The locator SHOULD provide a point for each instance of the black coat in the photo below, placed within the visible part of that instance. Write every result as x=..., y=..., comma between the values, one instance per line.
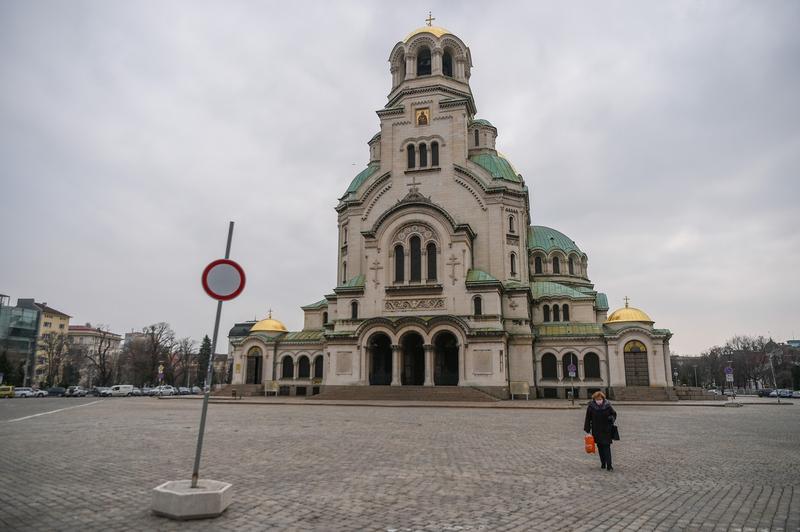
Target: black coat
x=599, y=420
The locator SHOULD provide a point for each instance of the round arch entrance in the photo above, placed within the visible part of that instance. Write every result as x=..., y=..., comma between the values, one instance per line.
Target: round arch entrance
x=445, y=363
x=413, y=363
x=380, y=359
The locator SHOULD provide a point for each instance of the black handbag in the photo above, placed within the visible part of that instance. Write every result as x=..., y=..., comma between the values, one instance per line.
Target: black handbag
x=614, y=433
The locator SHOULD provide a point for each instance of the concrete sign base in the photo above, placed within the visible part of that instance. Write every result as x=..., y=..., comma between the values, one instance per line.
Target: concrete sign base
x=177, y=500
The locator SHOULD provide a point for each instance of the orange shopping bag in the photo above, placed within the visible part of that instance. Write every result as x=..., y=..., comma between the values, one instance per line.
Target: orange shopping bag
x=588, y=443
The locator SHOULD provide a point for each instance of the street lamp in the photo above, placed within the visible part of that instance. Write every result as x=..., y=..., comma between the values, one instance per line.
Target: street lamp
x=695, y=375
x=675, y=377
x=727, y=353
x=772, y=367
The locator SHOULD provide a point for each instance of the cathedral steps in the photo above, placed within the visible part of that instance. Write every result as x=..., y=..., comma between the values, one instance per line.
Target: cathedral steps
x=404, y=393
x=690, y=393
x=643, y=393
x=242, y=390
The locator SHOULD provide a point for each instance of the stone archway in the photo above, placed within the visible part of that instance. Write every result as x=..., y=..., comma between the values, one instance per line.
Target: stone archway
x=445, y=363
x=254, y=366
x=413, y=362
x=637, y=372
x=380, y=359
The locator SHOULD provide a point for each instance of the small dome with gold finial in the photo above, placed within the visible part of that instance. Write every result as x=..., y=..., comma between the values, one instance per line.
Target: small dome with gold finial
x=629, y=313
x=268, y=325
x=436, y=31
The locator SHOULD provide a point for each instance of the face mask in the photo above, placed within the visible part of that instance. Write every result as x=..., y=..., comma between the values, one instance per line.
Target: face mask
x=598, y=401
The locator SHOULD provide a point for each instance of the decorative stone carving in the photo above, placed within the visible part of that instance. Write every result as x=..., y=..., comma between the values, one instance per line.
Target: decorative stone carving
x=425, y=232
x=427, y=303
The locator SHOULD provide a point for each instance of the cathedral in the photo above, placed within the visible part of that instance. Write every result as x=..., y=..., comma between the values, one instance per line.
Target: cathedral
x=442, y=280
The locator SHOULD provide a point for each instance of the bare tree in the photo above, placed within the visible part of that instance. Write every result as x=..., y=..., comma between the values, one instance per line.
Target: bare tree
x=55, y=348
x=101, y=357
x=183, y=356
x=159, y=341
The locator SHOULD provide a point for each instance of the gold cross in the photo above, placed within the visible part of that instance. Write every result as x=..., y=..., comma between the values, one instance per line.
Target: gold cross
x=626, y=301
x=270, y=313
x=430, y=19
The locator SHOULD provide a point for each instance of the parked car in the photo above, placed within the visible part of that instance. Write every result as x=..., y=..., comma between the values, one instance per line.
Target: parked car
x=122, y=390
x=6, y=391
x=136, y=392
x=105, y=392
x=764, y=392
x=40, y=393
x=183, y=390
x=23, y=392
x=56, y=391
x=165, y=390
x=146, y=390
x=796, y=394
x=75, y=391
x=196, y=390
x=787, y=394
x=97, y=391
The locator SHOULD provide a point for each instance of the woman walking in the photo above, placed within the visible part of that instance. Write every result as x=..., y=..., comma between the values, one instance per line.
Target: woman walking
x=600, y=418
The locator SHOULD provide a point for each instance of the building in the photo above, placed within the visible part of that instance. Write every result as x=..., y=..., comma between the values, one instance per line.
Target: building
x=51, y=346
x=442, y=280
x=100, y=350
x=19, y=331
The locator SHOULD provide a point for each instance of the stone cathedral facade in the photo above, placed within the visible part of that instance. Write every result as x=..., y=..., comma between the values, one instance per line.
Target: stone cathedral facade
x=442, y=280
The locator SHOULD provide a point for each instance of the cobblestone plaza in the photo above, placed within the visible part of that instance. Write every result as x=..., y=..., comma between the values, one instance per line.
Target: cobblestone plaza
x=319, y=467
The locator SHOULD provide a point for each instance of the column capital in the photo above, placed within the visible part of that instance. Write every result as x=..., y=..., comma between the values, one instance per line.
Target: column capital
x=427, y=347
x=395, y=348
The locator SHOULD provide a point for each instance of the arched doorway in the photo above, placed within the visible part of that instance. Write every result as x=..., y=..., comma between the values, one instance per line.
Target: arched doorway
x=254, y=366
x=287, y=367
x=303, y=368
x=636, y=371
x=319, y=367
x=380, y=359
x=413, y=360
x=445, y=362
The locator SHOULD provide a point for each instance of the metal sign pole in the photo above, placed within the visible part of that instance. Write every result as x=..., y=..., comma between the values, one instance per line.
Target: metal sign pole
x=209, y=375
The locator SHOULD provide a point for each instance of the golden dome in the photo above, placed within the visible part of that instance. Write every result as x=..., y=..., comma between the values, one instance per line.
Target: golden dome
x=436, y=31
x=628, y=314
x=268, y=325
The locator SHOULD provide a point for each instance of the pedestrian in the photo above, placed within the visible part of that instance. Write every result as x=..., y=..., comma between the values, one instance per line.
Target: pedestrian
x=600, y=418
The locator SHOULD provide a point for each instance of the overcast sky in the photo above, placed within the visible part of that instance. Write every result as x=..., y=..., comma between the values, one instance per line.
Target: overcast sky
x=663, y=137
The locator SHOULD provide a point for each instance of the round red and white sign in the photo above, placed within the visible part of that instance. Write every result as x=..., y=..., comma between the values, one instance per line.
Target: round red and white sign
x=223, y=279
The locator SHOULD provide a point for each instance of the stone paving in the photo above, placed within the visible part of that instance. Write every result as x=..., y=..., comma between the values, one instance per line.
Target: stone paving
x=330, y=468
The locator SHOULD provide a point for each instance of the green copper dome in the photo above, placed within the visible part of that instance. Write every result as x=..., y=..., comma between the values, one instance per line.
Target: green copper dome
x=481, y=122
x=545, y=238
x=496, y=165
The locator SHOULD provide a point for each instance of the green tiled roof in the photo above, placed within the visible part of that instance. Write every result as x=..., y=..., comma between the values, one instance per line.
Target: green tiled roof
x=303, y=336
x=481, y=122
x=356, y=282
x=601, y=301
x=322, y=303
x=479, y=276
x=496, y=165
x=362, y=176
x=570, y=329
x=545, y=238
x=541, y=289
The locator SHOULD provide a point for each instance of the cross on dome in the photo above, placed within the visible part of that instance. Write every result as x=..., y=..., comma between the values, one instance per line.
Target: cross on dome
x=430, y=19
x=627, y=299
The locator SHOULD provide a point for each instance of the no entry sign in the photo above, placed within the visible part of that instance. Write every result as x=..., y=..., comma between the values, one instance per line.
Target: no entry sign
x=223, y=279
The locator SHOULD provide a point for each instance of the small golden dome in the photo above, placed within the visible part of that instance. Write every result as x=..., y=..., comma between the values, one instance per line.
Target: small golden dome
x=268, y=325
x=629, y=314
x=436, y=31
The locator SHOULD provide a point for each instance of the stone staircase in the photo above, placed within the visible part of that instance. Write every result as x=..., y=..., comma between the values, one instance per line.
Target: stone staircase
x=404, y=393
x=690, y=393
x=644, y=393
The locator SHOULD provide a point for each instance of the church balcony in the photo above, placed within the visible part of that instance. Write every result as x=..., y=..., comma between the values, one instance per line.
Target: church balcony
x=413, y=289
x=423, y=170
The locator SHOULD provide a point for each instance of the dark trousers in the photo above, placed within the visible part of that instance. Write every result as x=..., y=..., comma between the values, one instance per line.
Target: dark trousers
x=604, y=450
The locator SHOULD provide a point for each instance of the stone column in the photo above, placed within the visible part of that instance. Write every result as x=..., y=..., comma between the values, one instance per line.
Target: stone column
x=560, y=369
x=428, y=364
x=436, y=62
x=296, y=368
x=411, y=66
x=364, y=357
x=581, y=375
x=395, y=365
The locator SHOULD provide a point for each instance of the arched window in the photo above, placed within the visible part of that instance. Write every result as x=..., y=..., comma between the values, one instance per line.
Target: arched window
x=556, y=265
x=511, y=224
x=571, y=266
x=635, y=346
x=344, y=235
x=399, y=264
x=430, y=251
x=434, y=153
x=546, y=312
x=565, y=312
x=324, y=318
x=287, y=368
x=416, y=259
x=478, y=305
x=319, y=367
x=303, y=368
x=447, y=64
x=556, y=313
x=476, y=137
x=569, y=358
x=344, y=272
x=549, y=365
x=424, y=62
x=354, y=310
x=513, y=264
x=591, y=366
x=411, y=156
x=423, y=155
x=537, y=265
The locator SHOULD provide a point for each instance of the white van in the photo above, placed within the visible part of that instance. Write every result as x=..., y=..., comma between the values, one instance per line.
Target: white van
x=122, y=390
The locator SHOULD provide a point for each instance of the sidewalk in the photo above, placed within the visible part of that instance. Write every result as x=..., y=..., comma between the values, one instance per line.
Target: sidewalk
x=534, y=404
